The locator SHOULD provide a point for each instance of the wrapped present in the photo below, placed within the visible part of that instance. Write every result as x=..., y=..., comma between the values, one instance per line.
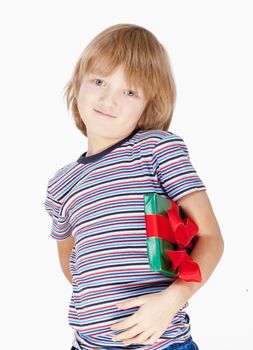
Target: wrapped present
x=171, y=235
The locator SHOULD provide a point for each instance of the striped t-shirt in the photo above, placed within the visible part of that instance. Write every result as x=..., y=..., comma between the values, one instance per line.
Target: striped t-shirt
x=98, y=199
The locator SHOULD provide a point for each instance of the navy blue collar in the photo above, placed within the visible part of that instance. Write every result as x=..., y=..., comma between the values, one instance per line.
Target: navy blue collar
x=88, y=159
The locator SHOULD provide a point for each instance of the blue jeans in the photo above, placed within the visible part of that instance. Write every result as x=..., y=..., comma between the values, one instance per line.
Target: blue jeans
x=188, y=345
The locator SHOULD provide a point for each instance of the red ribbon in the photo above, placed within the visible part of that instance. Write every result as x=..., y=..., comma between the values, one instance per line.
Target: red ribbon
x=188, y=270
x=183, y=229
x=180, y=231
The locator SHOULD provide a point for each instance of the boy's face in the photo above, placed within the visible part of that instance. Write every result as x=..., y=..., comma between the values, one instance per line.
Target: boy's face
x=110, y=95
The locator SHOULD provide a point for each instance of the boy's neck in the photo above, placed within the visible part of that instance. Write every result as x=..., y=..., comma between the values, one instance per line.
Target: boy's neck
x=97, y=144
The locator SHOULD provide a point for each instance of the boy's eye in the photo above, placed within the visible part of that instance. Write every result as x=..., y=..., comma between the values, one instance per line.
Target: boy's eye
x=97, y=80
x=132, y=93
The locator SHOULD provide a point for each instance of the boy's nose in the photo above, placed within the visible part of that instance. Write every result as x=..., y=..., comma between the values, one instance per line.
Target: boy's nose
x=109, y=98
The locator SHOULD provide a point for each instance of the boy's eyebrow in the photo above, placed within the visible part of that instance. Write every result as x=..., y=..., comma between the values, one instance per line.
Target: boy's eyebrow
x=96, y=73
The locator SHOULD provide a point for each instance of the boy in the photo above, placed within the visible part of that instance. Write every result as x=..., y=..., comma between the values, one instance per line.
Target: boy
x=122, y=96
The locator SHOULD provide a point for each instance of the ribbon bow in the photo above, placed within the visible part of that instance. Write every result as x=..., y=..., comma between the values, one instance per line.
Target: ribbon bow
x=180, y=229
x=183, y=230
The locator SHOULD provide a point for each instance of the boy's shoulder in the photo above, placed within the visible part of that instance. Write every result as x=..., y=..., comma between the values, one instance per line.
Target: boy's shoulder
x=57, y=182
x=155, y=136
x=62, y=171
x=65, y=169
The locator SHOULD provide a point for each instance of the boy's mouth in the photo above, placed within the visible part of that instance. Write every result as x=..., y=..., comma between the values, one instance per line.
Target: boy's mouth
x=103, y=113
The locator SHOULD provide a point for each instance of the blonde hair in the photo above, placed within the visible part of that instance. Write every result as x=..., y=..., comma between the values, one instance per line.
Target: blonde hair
x=145, y=62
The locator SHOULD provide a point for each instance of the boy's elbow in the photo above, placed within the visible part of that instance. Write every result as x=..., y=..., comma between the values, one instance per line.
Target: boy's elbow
x=222, y=246
x=221, y=242
x=219, y=245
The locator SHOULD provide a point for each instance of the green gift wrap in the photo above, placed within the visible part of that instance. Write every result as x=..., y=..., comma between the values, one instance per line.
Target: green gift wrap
x=171, y=236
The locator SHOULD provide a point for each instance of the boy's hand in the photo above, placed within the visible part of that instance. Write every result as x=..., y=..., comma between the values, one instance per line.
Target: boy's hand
x=147, y=324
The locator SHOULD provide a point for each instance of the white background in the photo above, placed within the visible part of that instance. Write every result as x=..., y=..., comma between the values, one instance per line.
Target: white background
x=210, y=47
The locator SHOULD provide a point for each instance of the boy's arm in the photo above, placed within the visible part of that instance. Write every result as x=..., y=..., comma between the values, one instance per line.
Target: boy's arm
x=64, y=251
x=208, y=249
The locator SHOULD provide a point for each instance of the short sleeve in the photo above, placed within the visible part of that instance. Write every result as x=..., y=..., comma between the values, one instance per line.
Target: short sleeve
x=61, y=228
x=175, y=171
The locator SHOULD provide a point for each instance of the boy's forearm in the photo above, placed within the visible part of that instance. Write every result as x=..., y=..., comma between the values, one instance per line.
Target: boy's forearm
x=207, y=252
x=66, y=269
